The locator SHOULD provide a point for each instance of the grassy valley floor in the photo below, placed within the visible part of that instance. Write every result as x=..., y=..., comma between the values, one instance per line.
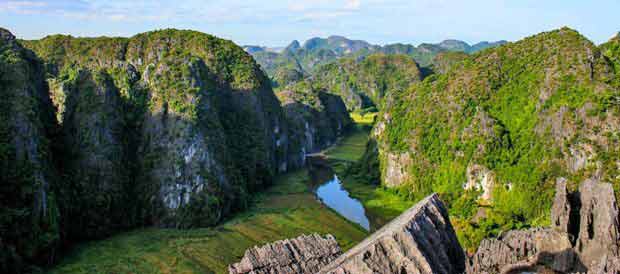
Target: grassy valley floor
x=285, y=210
x=381, y=204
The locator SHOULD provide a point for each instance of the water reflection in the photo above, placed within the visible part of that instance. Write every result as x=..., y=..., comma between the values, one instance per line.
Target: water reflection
x=332, y=194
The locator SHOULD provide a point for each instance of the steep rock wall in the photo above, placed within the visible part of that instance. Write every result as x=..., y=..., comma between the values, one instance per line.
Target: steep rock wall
x=316, y=119
x=201, y=125
x=29, y=222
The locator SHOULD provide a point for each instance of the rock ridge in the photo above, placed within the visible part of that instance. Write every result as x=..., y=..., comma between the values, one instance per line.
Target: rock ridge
x=421, y=240
x=305, y=254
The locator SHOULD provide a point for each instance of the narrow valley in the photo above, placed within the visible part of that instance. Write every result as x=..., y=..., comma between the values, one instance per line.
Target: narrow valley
x=287, y=209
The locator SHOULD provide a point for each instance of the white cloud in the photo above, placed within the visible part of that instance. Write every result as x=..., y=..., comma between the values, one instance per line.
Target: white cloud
x=22, y=7
x=352, y=4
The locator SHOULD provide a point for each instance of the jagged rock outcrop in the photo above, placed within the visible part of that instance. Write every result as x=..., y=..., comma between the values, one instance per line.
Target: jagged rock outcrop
x=421, y=240
x=561, y=209
x=599, y=233
x=315, y=120
x=29, y=218
x=302, y=255
x=515, y=249
x=583, y=237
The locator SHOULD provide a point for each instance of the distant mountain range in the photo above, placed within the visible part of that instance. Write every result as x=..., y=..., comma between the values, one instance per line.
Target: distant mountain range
x=303, y=59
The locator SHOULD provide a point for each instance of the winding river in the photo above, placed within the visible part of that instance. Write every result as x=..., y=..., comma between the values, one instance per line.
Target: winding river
x=329, y=190
x=333, y=194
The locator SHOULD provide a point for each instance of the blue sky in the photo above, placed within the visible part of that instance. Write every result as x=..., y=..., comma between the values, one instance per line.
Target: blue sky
x=277, y=22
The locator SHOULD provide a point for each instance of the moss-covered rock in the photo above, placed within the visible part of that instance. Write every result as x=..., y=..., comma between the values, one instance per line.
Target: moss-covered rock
x=365, y=83
x=508, y=122
x=29, y=218
x=95, y=193
x=315, y=119
x=193, y=123
x=443, y=61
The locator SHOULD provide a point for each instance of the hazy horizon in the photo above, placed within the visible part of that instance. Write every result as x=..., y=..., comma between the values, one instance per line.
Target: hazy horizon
x=277, y=23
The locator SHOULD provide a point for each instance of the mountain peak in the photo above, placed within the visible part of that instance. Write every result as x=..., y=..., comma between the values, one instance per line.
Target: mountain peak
x=293, y=46
x=6, y=35
x=337, y=37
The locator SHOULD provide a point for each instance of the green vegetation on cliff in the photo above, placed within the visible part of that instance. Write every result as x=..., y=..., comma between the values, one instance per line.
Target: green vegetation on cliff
x=365, y=83
x=169, y=128
x=29, y=217
x=509, y=120
x=297, y=61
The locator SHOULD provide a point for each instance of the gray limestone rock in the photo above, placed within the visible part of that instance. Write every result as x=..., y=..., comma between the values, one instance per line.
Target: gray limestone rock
x=518, y=249
x=421, y=240
x=561, y=209
x=302, y=255
x=598, y=226
x=584, y=237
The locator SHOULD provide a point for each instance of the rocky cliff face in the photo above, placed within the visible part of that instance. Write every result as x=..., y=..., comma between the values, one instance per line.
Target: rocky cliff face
x=94, y=154
x=583, y=237
x=499, y=126
x=194, y=112
x=29, y=213
x=315, y=120
x=421, y=240
x=302, y=255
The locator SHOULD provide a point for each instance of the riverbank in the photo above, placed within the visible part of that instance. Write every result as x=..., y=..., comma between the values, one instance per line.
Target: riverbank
x=285, y=210
x=381, y=205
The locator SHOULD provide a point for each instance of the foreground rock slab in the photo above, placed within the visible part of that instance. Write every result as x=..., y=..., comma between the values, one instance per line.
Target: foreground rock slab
x=302, y=255
x=421, y=240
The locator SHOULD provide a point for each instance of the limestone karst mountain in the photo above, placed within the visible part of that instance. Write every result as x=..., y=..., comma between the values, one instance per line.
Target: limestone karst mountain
x=499, y=126
x=168, y=128
x=29, y=217
x=364, y=84
x=298, y=59
x=316, y=119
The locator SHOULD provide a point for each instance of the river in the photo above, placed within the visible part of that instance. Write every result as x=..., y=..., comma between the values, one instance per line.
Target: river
x=329, y=190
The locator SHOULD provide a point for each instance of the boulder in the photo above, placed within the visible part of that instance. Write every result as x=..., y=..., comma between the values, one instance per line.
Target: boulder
x=302, y=255
x=421, y=240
